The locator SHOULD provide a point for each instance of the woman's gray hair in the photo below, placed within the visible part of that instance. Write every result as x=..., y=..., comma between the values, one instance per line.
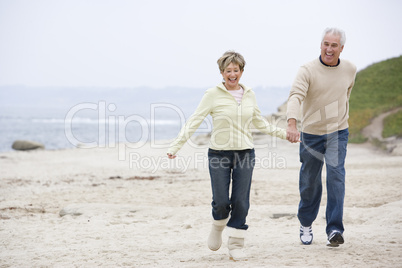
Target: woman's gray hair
x=335, y=31
x=231, y=57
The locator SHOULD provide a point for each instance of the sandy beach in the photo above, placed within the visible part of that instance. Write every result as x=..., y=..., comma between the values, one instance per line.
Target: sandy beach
x=133, y=207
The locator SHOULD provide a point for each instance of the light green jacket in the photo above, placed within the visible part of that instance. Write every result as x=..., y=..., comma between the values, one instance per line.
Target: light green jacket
x=231, y=121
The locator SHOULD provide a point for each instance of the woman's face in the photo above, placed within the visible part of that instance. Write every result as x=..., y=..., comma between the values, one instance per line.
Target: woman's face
x=232, y=75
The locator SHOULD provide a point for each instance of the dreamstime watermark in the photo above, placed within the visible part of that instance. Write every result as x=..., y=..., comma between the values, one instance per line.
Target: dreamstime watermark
x=197, y=161
x=330, y=147
x=107, y=124
x=112, y=133
x=112, y=128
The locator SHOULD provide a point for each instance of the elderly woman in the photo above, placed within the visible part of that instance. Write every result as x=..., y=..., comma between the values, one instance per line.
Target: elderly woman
x=231, y=157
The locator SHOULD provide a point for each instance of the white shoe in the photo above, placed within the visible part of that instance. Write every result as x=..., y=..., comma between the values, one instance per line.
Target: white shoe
x=306, y=235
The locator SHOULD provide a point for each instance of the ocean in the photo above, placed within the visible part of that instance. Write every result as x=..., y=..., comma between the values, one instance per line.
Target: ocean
x=61, y=129
x=64, y=118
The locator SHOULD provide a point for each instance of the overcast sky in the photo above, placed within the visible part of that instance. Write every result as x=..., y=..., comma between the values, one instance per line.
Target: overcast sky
x=159, y=43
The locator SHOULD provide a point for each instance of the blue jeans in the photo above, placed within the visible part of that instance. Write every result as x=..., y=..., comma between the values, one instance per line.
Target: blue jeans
x=226, y=166
x=314, y=150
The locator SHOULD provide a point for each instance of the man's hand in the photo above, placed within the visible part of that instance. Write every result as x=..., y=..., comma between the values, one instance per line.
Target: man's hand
x=292, y=134
x=171, y=156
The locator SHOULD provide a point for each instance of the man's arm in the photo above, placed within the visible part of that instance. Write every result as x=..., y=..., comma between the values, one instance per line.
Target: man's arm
x=296, y=96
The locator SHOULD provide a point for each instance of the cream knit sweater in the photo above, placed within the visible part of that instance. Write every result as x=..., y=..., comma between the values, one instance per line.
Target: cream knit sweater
x=323, y=94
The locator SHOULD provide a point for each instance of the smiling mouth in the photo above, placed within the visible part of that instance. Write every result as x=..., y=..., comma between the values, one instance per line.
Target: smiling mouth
x=232, y=79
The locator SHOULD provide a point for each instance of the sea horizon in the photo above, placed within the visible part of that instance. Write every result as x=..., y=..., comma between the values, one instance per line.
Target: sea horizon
x=64, y=118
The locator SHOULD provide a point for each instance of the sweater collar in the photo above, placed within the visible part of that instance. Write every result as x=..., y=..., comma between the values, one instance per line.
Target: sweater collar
x=222, y=86
x=339, y=61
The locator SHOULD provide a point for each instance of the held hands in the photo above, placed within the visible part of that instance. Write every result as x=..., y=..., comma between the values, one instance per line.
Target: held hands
x=292, y=134
x=170, y=156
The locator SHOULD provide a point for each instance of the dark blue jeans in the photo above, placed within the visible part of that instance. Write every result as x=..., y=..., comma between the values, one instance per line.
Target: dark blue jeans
x=234, y=166
x=314, y=150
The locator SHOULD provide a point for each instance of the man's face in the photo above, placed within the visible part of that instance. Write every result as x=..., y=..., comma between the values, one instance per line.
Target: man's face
x=331, y=49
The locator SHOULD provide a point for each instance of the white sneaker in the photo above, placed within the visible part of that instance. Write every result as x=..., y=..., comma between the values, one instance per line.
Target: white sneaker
x=306, y=235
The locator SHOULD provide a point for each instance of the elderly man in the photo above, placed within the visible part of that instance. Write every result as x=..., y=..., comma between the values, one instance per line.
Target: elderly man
x=322, y=89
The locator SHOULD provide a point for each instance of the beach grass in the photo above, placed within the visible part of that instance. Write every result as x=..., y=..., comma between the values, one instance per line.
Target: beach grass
x=378, y=89
x=392, y=125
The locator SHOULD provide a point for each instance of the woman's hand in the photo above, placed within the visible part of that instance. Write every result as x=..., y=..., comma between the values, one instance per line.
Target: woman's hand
x=170, y=156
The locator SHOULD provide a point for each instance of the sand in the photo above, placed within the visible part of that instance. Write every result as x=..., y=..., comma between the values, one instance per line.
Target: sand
x=133, y=207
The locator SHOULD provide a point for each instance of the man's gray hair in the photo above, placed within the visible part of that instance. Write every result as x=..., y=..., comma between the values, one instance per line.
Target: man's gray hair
x=335, y=31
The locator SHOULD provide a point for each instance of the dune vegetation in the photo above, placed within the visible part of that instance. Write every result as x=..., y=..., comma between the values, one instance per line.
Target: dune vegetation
x=378, y=89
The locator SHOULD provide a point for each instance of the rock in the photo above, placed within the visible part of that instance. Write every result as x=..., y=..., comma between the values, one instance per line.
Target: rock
x=281, y=215
x=70, y=211
x=96, y=210
x=397, y=150
x=187, y=226
x=24, y=145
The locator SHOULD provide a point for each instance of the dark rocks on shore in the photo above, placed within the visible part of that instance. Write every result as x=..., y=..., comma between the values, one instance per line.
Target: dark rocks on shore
x=25, y=145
